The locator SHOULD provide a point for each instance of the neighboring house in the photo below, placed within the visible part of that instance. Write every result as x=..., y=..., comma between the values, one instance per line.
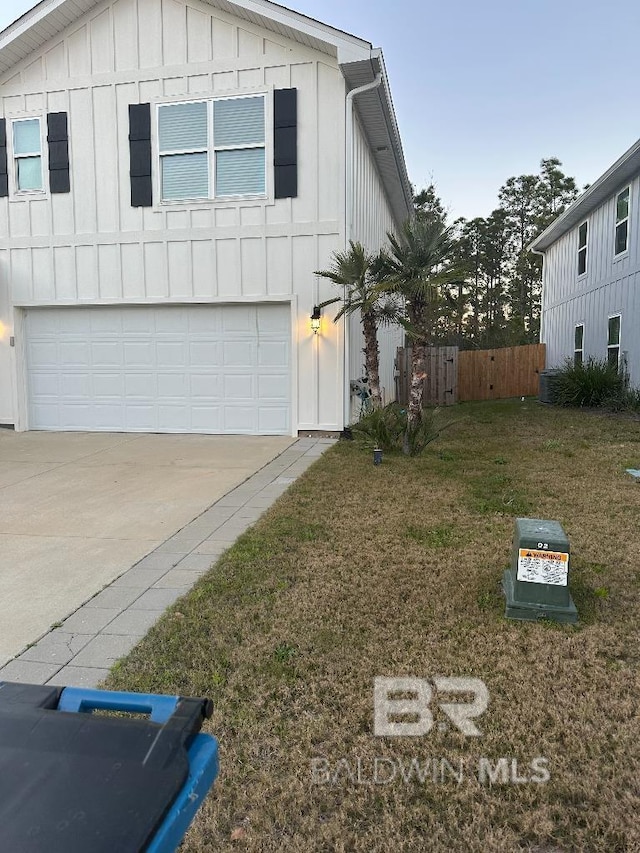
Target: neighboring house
x=591, y=273
x=172, y=172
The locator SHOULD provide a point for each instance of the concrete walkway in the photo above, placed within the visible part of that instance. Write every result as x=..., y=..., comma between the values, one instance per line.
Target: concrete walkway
x=82, y=649
x=79, y=509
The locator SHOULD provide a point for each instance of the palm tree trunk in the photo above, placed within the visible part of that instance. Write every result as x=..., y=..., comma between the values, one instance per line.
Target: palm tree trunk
x=416, y=389
x=372, y=357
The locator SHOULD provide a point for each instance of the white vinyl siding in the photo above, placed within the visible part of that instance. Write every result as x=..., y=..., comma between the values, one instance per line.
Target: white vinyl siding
x=27, y=154
x=622, y=222
x=92, y=246
x=224, y=137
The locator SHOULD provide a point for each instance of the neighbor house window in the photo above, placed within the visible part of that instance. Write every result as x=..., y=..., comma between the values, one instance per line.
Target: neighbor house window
x=578, y=344
x=582, y=248
x=27, y=155
x=622, y=221
x=212, y=149
x=613, y=342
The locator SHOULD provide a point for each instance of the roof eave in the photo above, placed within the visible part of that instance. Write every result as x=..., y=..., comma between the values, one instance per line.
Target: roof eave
x=377, y=115
x=616, y=176
x=15, y=44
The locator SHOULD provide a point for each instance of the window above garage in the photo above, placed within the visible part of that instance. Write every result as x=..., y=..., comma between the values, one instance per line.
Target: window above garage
x=212, y=149
x=27, y=154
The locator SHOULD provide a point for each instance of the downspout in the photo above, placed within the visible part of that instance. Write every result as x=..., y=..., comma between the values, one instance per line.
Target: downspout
x=348, y=220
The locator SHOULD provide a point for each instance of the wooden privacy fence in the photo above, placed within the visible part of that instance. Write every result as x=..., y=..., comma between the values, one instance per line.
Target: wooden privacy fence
x=440, y=386
x=473, y=374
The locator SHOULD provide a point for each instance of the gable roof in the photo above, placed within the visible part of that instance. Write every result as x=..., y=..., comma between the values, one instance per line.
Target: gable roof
x=358, y=61
x=615, y=178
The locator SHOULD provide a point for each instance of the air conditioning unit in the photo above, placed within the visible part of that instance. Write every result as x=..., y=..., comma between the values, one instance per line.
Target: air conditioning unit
x=547, y=382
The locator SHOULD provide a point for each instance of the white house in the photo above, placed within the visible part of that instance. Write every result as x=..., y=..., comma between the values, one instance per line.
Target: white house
x=591, y=273
x=172, y=172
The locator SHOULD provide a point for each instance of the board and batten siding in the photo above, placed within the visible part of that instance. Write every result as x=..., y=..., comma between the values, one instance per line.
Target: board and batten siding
x=609, y=286
x=371, y=221
x=90, y=246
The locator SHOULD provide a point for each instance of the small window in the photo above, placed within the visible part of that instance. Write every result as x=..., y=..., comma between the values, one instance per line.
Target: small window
x=613, y=342
x=582, y=248
x=578, y=344
x=27, y=155
x=622, y=221
x=212, y=149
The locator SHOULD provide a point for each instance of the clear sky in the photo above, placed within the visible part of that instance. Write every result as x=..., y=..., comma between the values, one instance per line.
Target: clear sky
x=484, y=90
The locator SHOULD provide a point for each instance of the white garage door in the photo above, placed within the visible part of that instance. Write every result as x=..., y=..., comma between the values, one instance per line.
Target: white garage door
x=196, y=368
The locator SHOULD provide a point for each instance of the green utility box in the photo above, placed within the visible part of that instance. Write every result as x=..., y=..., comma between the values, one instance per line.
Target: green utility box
x=537, y=584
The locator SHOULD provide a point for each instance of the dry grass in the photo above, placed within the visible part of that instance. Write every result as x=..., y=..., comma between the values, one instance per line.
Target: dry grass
x=361, y=571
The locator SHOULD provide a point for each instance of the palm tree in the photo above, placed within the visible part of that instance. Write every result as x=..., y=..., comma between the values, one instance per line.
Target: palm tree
x=416, y=267
x=357, y=271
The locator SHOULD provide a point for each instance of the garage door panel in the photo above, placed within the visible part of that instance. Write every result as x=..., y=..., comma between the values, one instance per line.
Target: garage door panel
x=205, y=353
x=141, y=385
x=43, y=354
x=171, y=353
x=272, y=320
x=238, y=387
x=238, y=354
x=74, y=353
x=174, y=418
x=138, y=353
x=206, y=419
x=173, y=385
x=140, y=417
x=196, y=368
x=273, y=354
x=273, y=387
x=75, y=385
x=46, y=384
x=108, y=385
x=207, y=386
x=106, y=353
x=273, y=421
x=109, y=415
x=239, y=419
x=239, y=318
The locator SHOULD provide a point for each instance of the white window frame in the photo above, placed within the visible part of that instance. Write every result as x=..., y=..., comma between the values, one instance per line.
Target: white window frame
x=583, y=249
x=619, y=222
x=617, y=346
x=212, y=149
x=575, y=348
x=17, y=192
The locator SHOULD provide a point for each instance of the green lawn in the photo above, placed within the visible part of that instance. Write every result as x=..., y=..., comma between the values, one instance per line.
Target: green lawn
x=361, y=571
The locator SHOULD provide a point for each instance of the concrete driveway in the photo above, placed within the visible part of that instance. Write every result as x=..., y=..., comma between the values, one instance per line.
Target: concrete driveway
x=78, y=509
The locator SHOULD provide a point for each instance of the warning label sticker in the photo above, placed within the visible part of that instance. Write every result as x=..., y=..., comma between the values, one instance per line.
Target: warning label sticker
x=543, y=567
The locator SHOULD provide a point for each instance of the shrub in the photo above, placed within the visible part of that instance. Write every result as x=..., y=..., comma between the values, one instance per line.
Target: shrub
x=387, y=429
x=382, y=428
x=592, y=383
x=627, y=401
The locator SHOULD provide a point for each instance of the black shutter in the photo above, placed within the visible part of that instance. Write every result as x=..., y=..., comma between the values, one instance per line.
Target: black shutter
x=285, y=143
x=140, y=155
x=4, y=176
x=58, y=144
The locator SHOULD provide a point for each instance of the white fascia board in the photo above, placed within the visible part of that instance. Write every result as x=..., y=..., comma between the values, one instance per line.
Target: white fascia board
x=349, y=48
x=28, y=20
x=345, y=43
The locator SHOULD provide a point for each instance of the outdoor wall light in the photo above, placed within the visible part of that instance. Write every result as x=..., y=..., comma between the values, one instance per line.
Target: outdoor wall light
x=315, y=319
